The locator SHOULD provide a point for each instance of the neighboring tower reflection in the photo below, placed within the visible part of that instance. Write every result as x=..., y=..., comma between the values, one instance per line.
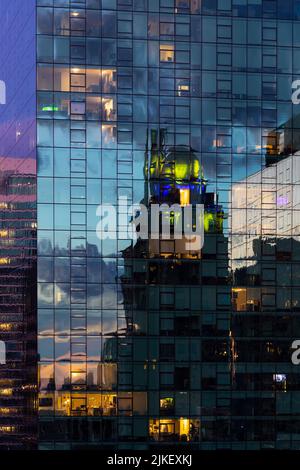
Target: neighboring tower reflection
x=172, y=328
x=265, y=229
x=18, y=303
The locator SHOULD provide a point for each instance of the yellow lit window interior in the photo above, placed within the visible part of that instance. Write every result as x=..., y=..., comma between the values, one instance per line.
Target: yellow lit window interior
x=166, y=403
x=245, y=299
x=78, y=404
x=91, y=79
x=95, y=403
x=6, y=391
x=7, y=429
x=5, y=326
x=184, y=197
x=183, y=88
x=182, y=429
x=167, y=53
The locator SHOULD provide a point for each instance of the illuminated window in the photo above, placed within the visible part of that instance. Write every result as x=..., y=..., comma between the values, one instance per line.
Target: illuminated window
x=6, y=326
x=166, y=405
x=109, y=80
x=182, y=429
x=78, y=406
x=77, y=78
x=6, y=429
x=245, y=299
x=184, y=197
x=182, y=89
x=167, y=53
x=6, y=391
x=98, y=80
x=239, y=299
x=217, y=143
x=7, y=411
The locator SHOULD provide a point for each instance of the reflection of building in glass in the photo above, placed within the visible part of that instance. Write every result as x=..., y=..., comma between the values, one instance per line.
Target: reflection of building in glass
x=132, y=339
x=145, y=343
x=18, y=226
x=18, y=303
x=265, y=230
x=283, y=141
x=266, y=204
x=167, y=324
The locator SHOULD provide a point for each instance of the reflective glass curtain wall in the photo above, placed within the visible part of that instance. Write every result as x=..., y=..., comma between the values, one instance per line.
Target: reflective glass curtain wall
x=140, y=344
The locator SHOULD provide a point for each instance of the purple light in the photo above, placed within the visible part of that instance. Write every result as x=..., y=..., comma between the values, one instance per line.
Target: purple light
x=282, y=201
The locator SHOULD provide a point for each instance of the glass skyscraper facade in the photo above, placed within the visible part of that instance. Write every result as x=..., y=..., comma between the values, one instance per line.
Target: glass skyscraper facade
x=18, y=305
x=145, y=344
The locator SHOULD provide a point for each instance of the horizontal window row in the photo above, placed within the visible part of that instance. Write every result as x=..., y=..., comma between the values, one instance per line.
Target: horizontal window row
x=176, y=6
x=109, y=52
x=85, y=22
x=154, y=54
x=283, y=10
x=224, y=139
x=141, y=81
